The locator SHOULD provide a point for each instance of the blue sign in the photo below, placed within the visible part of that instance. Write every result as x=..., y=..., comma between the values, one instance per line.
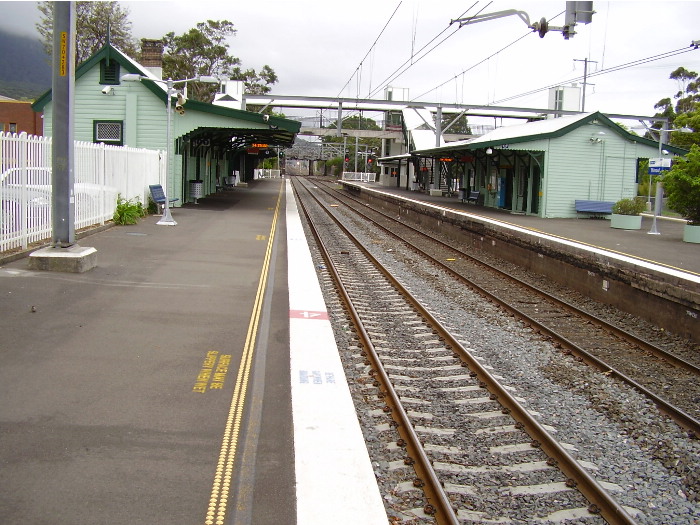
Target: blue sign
x=658, y=166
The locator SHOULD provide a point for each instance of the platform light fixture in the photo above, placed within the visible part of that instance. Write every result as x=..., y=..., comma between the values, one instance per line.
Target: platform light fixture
x=167, y=219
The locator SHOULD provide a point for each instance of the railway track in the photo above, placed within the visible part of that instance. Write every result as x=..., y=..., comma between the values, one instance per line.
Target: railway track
x=470, y=445
x=667, y=379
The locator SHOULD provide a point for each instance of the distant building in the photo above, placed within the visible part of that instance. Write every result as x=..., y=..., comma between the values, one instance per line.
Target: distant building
x=17, y=116
x=541, y=168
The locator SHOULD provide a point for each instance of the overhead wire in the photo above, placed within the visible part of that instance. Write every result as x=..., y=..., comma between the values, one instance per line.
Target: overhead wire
x=483, y=60
x=612, y=69
x=370, y=49
x=411, y=62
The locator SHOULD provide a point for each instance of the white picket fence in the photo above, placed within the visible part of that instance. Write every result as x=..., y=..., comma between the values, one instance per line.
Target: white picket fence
x=359, y=176
x=100, y=174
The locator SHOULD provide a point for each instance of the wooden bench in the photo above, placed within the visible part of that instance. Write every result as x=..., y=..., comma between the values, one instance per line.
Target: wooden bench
x=158, y=195
x=593, y=207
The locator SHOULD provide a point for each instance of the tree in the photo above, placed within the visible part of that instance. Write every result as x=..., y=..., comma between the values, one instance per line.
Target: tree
x=203, y=50
x=690, y=120
x=365, y=144
x=94, y=21
x=682, y=185
x=256, y=83
x=685, y=111
x=461, y=126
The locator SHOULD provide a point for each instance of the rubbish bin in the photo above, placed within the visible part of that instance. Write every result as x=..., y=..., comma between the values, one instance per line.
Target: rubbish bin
x=463, y=194
x=196, y=189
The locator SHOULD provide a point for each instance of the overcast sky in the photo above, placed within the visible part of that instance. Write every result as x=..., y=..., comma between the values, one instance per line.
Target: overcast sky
x=317, y=47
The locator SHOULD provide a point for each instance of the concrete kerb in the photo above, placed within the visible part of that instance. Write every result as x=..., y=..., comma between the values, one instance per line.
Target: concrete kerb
x=7, y=258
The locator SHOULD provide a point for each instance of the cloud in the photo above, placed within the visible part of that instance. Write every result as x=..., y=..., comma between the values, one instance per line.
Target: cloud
x=317, y=47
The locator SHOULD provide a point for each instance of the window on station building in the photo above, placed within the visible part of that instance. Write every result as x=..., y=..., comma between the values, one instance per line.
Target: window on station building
x=108, y=132
x=12, y=128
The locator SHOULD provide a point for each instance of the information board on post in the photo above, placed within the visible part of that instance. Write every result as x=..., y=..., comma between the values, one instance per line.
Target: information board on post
x=659, y=166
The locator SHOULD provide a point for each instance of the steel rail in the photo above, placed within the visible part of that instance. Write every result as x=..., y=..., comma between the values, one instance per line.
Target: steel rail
x=681, y=417
x=601, y=501
x=619, y=332
x=441, y=507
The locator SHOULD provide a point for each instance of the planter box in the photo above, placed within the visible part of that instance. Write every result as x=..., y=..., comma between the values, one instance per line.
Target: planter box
x=626, y=222
x=691, y=233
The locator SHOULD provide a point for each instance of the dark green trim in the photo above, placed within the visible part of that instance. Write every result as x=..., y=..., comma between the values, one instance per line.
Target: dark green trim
x=110, y=72
x=554, y=134
x=119, y=142
x=106, y=52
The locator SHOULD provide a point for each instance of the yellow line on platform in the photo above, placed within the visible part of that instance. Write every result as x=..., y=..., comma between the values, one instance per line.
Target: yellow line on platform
x=218, y=502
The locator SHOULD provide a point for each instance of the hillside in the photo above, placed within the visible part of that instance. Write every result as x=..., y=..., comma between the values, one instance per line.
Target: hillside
x=25, y=72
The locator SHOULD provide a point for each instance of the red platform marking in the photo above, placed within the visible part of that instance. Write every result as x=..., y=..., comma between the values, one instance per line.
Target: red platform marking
x=306, y=314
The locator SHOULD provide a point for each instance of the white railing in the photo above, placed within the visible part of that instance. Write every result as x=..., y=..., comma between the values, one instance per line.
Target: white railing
x=100, y=174
x=359, y=176
x=266, y=174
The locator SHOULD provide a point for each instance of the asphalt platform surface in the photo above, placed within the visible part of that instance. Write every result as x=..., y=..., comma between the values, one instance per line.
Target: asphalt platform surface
x=117, y=384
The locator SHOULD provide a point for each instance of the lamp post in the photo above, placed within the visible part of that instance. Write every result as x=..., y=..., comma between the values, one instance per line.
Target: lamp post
x=167, y=219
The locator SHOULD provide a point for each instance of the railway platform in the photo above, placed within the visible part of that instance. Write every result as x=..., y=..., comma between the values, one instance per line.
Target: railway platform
x=654, y=277
x=665, y=249
x=192, y=376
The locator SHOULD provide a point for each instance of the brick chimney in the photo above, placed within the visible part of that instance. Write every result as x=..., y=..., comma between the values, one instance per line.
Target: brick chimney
x=152, y=56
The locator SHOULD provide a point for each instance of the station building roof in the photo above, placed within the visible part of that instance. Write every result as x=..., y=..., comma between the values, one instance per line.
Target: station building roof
x=269, y=129
x=541, y=129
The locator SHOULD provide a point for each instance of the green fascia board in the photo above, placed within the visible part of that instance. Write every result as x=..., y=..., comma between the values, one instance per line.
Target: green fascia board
x=111, y=53
x=284, y=124
x=554, y=134
x=106, y=51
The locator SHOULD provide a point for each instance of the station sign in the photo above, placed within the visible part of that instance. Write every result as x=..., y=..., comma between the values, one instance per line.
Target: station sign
x=659, y=166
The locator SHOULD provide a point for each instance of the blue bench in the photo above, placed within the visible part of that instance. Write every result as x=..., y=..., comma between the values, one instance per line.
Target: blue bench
x=472, y=197
x=594, y=207
x=158, y=195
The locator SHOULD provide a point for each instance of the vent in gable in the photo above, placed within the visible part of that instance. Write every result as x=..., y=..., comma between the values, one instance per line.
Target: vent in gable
x=109, y=72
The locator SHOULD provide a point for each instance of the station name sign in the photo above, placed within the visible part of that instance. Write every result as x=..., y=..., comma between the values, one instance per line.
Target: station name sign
x=658, y=166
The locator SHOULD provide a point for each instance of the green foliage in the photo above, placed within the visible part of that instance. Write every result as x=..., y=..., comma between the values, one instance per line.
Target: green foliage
x=335, y=166
x=633, y=206
x=128, y=211
x=356, y=122
x=92, y=21
x=204, y=50
x=461, y=125
x=683, y=109
x=152, y=207
x=682, y=185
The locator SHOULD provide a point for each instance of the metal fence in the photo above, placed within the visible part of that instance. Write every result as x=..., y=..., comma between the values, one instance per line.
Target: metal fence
x=101, y=173
x=359, y=176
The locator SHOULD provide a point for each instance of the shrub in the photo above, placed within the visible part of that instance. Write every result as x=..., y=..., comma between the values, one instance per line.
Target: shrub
x=128, y=211
x=152, y=206
x=629, y=206
x=682, y=185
